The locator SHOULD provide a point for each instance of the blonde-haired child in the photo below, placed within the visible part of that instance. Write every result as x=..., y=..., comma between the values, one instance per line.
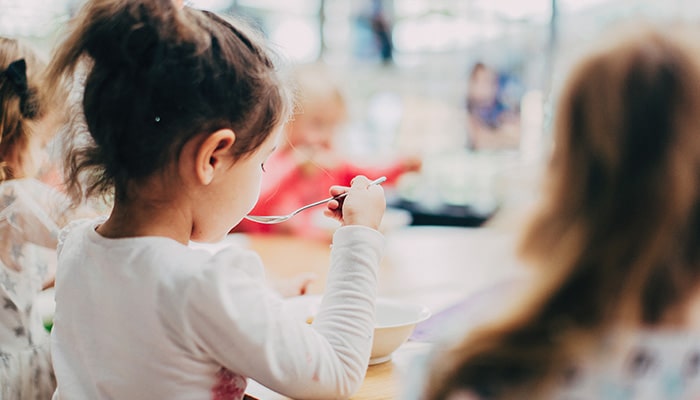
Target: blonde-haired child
x=308, y=160
x=31, y=214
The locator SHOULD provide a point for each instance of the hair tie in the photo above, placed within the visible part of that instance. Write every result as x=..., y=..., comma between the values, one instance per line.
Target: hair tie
x=16, y=73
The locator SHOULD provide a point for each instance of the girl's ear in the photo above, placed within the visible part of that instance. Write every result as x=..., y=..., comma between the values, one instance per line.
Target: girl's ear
x=211, y=153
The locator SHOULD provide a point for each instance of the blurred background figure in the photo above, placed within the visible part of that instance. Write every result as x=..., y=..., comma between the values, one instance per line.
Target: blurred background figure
x=613, y=302
x=31, y=214
x=308, y=160
x=372, y=31
x=492, y=123
x=381, y=26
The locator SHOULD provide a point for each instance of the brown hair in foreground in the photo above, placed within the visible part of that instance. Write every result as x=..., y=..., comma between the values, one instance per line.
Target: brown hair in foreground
x=616, y=239
x=158, y=75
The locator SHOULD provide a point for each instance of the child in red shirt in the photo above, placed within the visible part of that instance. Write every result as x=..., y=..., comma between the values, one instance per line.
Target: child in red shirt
x=307, y=163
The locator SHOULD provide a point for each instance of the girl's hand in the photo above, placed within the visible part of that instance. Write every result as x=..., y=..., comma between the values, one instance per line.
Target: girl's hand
x=364, y=204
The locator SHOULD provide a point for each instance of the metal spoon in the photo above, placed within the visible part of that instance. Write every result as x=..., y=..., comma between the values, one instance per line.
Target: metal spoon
x=276, y=219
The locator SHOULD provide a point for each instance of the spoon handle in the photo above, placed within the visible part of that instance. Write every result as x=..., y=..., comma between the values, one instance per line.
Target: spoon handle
x=340, y=196
x=374, y=182
x=276, y=219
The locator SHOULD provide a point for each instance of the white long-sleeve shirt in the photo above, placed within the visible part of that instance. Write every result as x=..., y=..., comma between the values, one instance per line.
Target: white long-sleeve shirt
x=150, y=318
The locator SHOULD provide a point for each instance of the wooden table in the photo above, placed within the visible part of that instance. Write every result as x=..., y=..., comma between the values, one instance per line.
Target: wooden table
x=433, y=266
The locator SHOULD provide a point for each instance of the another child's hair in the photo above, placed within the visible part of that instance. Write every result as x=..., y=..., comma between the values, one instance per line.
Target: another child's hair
x=315, y=84
x=617, y=237
x=22, y=99
x=158, y=75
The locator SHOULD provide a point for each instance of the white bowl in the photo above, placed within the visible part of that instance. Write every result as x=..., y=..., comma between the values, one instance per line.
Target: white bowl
x=395, y=322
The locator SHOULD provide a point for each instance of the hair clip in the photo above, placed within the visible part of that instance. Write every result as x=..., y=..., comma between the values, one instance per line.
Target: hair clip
x=16, y=73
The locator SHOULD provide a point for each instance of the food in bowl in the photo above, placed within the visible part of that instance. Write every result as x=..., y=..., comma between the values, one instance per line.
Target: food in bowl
x=395, y=321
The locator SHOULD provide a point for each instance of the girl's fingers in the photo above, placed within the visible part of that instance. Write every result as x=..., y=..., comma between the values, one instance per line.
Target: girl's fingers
x=333, y=204
x=360, y=181
x=335, y=214
x=337, y=190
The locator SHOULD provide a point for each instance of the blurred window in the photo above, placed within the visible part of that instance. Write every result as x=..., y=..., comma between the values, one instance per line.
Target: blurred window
x=32, y=18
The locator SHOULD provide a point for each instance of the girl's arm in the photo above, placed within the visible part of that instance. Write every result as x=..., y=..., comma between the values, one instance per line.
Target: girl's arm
x=58, y=206
x=26, y=210
x=236, y=321
x=24, y=222
x=32, y=213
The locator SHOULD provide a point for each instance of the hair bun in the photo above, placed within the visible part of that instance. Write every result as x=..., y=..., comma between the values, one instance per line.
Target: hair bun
x=128, y=36
x=139, y=45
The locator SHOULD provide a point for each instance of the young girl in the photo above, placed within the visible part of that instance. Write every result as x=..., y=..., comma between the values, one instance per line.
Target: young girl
x=31, y=214
x=614, y=313
x=184, y=108
x=308, y=160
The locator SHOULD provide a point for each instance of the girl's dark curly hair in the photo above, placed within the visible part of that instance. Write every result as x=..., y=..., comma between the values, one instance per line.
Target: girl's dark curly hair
x=157, y=75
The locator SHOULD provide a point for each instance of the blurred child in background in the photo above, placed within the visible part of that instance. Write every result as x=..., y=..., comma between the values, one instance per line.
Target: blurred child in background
x=31, y=214
x=308, y=160
x=491, y=123
x=615, y=308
